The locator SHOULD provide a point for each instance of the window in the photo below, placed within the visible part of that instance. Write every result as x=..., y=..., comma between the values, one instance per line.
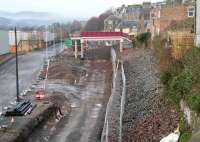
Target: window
x=159, y=14
x=110, y=22
x=191, y=12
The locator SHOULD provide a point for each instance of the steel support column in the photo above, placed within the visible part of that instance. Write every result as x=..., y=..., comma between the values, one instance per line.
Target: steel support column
x=82, y=42
x=121, y=45
x=76, y=50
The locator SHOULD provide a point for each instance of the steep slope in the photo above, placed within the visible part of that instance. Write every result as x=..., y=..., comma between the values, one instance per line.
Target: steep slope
x=145, y=118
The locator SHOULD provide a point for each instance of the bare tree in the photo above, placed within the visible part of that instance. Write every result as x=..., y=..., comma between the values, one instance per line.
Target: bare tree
x=97, y=23
x=92, y=24
x=75, y=26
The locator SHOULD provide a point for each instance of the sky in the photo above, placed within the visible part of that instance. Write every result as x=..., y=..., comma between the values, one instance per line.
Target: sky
x=68, y=8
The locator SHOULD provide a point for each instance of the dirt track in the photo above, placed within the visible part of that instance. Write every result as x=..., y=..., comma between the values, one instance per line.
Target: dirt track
x=84, y=87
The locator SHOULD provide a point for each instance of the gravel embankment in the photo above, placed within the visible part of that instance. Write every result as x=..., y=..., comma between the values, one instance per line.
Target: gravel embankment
x=145, y=118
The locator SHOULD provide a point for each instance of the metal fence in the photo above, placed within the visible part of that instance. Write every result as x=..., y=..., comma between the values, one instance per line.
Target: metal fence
x=117, y=100
x=123, y=97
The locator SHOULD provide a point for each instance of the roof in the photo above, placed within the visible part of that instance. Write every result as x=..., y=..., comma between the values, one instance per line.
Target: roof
x=128, y=24
x=103, y=34
x=113, y=18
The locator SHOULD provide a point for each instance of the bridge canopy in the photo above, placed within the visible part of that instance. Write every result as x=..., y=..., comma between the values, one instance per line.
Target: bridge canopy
x=84, y=37
x=103, y=34
x=100, y=36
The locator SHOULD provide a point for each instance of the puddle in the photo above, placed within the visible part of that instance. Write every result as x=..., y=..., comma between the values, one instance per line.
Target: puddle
x=74, y=105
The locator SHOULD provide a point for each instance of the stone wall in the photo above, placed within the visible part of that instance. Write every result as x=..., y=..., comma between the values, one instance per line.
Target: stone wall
x=192, y=118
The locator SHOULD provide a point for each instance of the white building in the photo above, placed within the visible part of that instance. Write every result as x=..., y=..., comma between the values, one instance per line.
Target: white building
x=4, y=42
x=198, y=23
x=48, y=36
x=31, y=35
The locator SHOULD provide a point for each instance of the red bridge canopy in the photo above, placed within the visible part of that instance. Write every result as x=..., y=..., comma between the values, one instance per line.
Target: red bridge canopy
x=103, y=34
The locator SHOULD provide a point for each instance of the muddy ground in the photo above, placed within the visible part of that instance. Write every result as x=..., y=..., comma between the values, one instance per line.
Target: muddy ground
x=81, y=89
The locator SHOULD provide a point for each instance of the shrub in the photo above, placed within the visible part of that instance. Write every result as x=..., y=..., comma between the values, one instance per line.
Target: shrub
x=143, y=38
x=185, y=137
x=166, y=77
x=193, y=100
x=180, y=86
x=192, y=62
x=192, y=56
x=182, y=83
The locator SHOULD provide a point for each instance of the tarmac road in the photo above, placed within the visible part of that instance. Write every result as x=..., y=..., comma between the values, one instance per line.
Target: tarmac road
x=29, y=66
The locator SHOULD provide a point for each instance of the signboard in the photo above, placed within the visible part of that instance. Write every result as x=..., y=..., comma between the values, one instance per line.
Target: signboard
x=68, y=42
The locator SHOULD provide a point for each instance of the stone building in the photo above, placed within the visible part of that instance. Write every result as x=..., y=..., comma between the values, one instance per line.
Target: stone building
x=130, y=12
x=111, y=23
x=128, y=27
x=137, y=13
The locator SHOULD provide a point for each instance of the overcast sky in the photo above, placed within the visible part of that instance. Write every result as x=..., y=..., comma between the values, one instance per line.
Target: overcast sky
x=69, y=8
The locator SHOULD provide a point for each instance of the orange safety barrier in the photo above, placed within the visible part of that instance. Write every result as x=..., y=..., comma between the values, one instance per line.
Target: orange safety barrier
x=40, y=94
x=13, y=49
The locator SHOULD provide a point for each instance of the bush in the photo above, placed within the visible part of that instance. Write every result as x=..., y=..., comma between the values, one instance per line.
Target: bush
x=185, y=137
x=144, y=38
x=182, y=83
x=193, y=100
x=36, y=49
x=192, y=62
x=166, y=77
x=180, y=86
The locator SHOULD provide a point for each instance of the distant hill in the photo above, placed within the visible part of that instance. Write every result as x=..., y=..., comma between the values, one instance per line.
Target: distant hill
x=29, y=18
x=5, y=21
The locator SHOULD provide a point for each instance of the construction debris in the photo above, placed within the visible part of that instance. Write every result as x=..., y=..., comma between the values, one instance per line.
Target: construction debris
x=21, y=109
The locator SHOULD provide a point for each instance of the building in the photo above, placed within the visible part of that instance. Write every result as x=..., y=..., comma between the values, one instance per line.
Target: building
x=146, y=9
x=130, y=12
x=30, y=40
x=139, y=13
x=144, y=18
x=163, y=15
x=4, y=42
x=111, y=23
x=120, y=11
x=128, y=27
x=198, y=23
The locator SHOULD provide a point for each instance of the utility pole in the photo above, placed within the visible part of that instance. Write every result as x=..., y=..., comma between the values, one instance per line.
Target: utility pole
x=17, y=75
x=54, y=45
x=46, y=43
x=61, y=36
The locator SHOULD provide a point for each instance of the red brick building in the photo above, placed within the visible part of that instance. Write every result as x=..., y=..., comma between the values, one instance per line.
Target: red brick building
x=162, y=16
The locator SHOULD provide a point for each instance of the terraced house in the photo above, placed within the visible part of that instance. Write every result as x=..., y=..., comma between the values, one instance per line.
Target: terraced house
x=162, y=16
